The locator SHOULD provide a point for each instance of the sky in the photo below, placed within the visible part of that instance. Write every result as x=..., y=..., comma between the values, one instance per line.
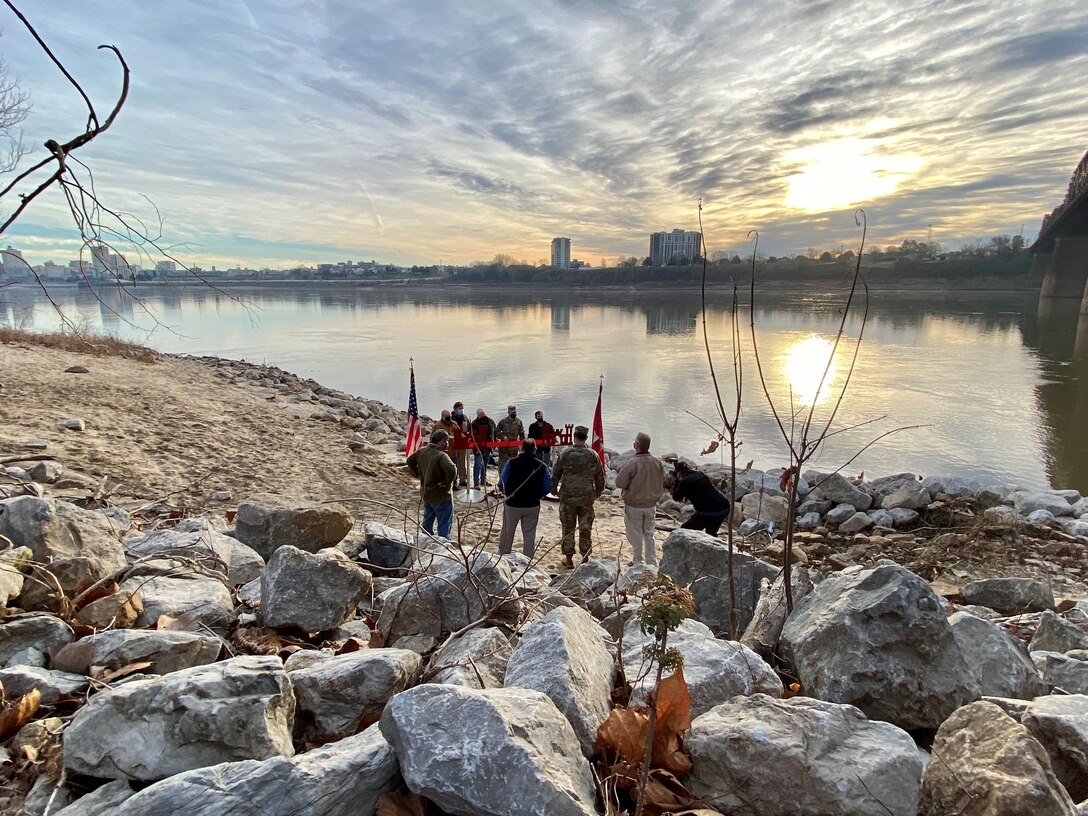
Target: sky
x=269, y=133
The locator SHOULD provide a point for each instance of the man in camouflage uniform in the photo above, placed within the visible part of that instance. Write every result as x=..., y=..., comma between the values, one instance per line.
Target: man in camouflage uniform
x=509, y=427
x=578, y=477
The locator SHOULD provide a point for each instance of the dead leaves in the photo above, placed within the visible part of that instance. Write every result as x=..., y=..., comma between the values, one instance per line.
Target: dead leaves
x=395, y=803
x=17, y=714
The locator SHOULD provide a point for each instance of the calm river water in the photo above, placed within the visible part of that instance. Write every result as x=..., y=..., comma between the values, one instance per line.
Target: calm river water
x=1000, y=395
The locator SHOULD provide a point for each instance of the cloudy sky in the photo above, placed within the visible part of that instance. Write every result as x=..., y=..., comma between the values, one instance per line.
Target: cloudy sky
x=276, y=132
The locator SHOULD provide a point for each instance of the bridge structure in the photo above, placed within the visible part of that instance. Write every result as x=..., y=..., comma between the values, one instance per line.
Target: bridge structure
x=1061, y=250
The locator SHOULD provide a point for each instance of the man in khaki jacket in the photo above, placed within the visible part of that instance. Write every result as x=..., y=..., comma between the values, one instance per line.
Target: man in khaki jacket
x=436, y=473
x=642, y=480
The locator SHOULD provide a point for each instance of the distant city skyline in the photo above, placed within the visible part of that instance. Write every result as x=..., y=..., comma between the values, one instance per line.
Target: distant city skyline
x=280, y=134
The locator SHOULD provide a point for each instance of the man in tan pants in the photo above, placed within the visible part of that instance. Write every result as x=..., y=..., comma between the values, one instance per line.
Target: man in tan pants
x=642, y=480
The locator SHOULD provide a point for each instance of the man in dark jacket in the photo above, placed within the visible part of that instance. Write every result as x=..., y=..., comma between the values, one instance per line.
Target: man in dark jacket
x=542, y=431
x=711, y=505
x=524, y=480
x=437, y=474
x=483, y=431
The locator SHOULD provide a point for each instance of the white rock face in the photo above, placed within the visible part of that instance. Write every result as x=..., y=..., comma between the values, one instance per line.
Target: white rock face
x=266, y=522
x=764, y=507
x=715, y=670
x=313, y=592
x=197, y=597
x=564, y=656
x=196, y=539
x=494, y=752
x=1060, y=723
x=30, y=640
x=343, y=778
x=783, y=757
x=336, y=694
x=837, y=488
x=477, y=659
x=166, y=651
x=999, y=662
x=241, y=708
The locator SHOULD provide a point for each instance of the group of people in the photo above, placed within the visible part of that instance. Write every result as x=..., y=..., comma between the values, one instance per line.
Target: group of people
x=577, y=477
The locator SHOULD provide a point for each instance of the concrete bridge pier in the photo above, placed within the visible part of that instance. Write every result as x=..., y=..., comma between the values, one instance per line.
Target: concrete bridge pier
x=1068, y=271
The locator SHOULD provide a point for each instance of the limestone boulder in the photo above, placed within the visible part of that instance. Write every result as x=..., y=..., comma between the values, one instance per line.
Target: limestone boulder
x=523, y=758
x=588, y=580
x=1026, y=502
x=80, y=546
x=1060, y=723
x=856, y=523
x=777, y=757
x=999, y=662
x=51, y=684
x=477, y=659
x=266, y=522
x=1064, y=674
x=764, y=630
x=197, y=540
x=30, y=640
x=987, y=764
x=104, y=799
x=1056, y=634
x=121, y=610
x=884, y=486
x=165, y=650
x=952, y=486
x=1010, y=596
x=879, y=639
x=762, y=506
x=715, y=670
x=910, y=496
x=312, y=592
x=837, y=488
x=701, y=562
x=564, y=656
x=336, y=695
x=242, y=708
x=386, y=550
x=343, y=778
x=199, y=599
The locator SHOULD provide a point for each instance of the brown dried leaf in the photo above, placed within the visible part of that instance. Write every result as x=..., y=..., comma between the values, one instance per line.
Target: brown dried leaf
x=624, y=734
x=713, y=446
x=395, y=803
x=256, y=640
x=19, y=714
x=98, y=593
x=376, y=639
x=352, y=644
x=674, y=703
x=665, y=794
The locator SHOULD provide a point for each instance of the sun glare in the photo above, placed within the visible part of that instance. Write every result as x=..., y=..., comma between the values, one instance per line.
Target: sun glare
x=845, y=172
x=806, y=362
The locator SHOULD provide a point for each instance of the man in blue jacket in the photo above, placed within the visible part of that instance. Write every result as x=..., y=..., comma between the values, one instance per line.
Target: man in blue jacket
x=524, y=480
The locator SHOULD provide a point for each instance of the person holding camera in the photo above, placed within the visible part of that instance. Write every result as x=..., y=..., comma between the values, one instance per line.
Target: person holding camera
x=711, y=505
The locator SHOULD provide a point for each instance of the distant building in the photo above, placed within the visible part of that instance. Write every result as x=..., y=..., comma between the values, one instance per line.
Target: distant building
x=12, y=261
x=163, y=267
x=561, y=253
x=672, y=246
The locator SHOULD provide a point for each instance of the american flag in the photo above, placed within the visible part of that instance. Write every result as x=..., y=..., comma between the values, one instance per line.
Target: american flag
x=415, y=435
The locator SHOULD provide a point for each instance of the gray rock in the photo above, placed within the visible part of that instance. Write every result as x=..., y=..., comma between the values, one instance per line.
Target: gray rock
x=902, y=517
x=564, y=656
x=36, y=444
x=305, y=658
x=764, y=507
x=998, y=661
x=750, y=526
x=856, y=523
x=784, y=757
x=46, y=472
x=715, y=670
x=336, y=695
x=75, y=424
x=588, y=580
x=311, y=592
x=884, y=486
x=1056, y=634
x=1041, y=517
x=909, y=496
x=420, y=644
x=1060, y=723
x=344, y=778
x=266, y=522
x=1027, y=503
x=388, y=550
x=633, y=574
x=477, y=659
x=207, y=546
x=12, y=562
x=837, y=488
x=1068, y=675
x=952, y=486
x=523, y=757
x=817, y=506
x=808, y=521
x=437, y=605
x=879, y=639
x=200, y=599
x=166, y=651
x=79, y=545
x=99, y=801
x=764, y=630
x=840, y=513
x=701, y=562
x=987, y=764
x=881, y=518
x=30, y=640
x=1010, y=596
x=17, y=681
x=241, y=708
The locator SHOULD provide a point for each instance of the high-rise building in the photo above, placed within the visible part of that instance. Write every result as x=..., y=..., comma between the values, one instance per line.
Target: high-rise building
x=672, y=246
x=561, y=253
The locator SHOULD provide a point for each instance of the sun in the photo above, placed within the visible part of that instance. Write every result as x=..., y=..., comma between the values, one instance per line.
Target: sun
x=846, y=172
x=808, y=371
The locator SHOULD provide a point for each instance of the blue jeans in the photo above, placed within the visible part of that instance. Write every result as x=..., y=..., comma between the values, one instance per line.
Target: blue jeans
x=443, y=512
x=479, y=469
x=545, y=456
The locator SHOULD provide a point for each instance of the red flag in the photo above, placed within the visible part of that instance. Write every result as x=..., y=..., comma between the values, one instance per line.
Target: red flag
x=415, y=435
x=598, y=427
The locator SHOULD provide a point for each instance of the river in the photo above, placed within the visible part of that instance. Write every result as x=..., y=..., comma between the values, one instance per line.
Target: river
x=982, y=387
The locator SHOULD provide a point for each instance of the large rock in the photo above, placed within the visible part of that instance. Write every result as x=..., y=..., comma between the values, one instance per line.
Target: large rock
x=765, y=628
x=1026, y=503
x=344, y=778
x=266, y=522
x=388, y=551
x=1066, y=675
x=715, y=670
x=884, y=486
x=837, y=488
x=764, y=507
x=12, y=564
x=701, y=562
x=100, y=801
x=336, y=695
x=477, y=659
x=166, y=651
x=783, y=757
x=79, y=546
x=241, y=708
x=986, y=764
x=564, y=656
x=200, y=599
x=204, y=544
x=30, y=640
x=51, y=685
x=588, y=580
x=1010, y=596
x=952, y=486
x=523, y=756
x=311, y=592
x=998, y=661
x=1056, y=634
x=879, y=639
x=1060, y=723
x=439, y=604
x=909, y=496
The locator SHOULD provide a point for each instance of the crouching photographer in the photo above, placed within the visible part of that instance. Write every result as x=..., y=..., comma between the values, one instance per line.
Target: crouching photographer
x=711, y=505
